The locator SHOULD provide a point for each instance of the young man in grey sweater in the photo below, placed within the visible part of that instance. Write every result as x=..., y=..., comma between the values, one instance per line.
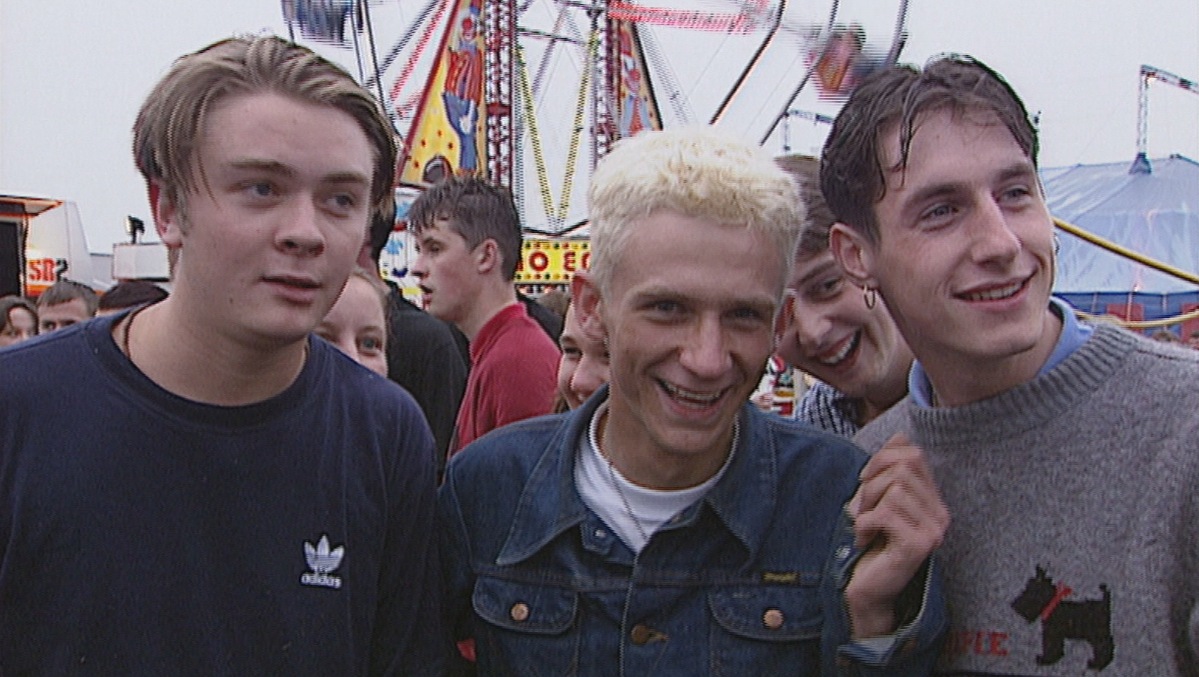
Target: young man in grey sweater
x=1065, y=452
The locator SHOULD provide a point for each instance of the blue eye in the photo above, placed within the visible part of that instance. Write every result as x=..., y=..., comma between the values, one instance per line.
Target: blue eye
x=938, y=212
x=261, y=189
x=1017, y=194
x=665, y=306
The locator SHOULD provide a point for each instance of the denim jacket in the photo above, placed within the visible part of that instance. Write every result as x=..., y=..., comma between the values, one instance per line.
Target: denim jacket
x=745, y=582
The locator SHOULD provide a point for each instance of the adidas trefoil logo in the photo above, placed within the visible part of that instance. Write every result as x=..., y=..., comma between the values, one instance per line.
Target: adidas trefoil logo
x=323, y=563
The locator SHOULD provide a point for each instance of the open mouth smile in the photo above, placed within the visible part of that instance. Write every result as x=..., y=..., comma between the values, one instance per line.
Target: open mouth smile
x=846, y=350
x=995, y=293
x=690, y=398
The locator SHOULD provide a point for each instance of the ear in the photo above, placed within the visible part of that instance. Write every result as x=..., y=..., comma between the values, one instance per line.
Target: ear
x=785, y=317
x=168, y=218
x=364, y=257
x=487, y=256
x=588, y=303
x=576, y=286
x=854, y=253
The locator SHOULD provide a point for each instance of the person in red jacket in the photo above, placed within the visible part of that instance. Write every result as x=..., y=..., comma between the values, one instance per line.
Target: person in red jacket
x=468, y=237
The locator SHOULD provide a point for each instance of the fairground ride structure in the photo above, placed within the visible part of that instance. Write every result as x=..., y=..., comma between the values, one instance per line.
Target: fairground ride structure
x=531, y=93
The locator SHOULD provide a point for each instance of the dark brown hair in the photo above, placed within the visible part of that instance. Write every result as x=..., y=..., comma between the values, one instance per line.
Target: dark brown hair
x=818, y=219
x=852, y=177
x=475, y=209
x=7, y=303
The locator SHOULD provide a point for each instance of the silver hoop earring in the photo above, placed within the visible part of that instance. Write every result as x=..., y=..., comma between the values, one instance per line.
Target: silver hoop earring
x=870, y=296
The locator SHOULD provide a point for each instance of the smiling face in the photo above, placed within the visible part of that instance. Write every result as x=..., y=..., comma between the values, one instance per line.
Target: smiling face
x=688, y=316
x=447, y=269
x=357, y=325
x=965, y=253
x=583, y=367
x=831, y=334
x=269, y=236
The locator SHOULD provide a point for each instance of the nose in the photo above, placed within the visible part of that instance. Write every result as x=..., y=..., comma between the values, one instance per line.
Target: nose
x=300, y=232
x=706, y=354
x=589, y=375
x=419, y=269
x=994, y=241
x=811, y=327
x=348, y=347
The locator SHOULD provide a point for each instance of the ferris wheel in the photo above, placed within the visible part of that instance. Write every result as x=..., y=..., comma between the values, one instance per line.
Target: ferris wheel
x=531, y=93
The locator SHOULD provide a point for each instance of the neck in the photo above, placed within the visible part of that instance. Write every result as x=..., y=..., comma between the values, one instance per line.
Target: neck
x=884, y=395
x=648, y=465
x=206, y=366
x=491, y=301
x=960, y=380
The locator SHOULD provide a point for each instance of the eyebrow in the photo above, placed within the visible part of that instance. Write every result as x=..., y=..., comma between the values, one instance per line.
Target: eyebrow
x=1021, y=169
x=1018, y=170
x=814, y=273
x=276, y=167
x=659, y=293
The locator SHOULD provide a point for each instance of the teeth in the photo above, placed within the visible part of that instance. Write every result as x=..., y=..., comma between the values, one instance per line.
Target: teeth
x=840, y=355
x=689, y=396
x=995, y=294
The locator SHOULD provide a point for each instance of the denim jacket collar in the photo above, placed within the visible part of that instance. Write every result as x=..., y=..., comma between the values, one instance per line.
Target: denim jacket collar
x=744, y=499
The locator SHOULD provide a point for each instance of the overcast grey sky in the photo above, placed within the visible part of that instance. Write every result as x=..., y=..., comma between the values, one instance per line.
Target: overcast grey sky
x=72, y=75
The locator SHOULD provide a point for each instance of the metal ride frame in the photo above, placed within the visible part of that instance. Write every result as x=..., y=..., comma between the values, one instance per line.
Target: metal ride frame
x=509, y=93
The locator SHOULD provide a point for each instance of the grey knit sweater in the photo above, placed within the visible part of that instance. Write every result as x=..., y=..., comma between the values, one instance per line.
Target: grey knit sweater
x=1074, y=546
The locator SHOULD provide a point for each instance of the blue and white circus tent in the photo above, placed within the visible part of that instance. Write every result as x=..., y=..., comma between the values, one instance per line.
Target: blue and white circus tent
x=1151, y=208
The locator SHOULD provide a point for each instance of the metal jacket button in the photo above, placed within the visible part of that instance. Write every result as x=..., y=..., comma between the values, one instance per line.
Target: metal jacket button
x=520, y=612
x=772, y=619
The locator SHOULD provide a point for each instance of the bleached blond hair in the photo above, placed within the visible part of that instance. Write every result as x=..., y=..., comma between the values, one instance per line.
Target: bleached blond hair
x=696, y=172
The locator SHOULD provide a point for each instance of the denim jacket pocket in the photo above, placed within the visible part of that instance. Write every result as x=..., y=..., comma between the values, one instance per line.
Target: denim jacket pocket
x=765, y=631
x=528, y=629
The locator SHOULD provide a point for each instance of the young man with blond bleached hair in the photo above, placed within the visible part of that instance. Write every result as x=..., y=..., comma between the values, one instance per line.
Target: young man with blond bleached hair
x=1064, y=450
x=223, y=493
x=667, y=527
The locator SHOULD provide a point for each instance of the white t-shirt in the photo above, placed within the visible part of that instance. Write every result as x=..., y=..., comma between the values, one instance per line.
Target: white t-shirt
x=606, y=492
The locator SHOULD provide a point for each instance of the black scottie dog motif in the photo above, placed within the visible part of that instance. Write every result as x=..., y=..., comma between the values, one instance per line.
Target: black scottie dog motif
x=1087, y=620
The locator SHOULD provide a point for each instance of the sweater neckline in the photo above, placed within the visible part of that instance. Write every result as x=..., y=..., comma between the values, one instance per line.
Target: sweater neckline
x=1032, y=404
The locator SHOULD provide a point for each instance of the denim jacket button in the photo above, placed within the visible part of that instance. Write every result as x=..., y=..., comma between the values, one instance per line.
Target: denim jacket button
x=640, y=634
x=519, y=612
x=772, y=619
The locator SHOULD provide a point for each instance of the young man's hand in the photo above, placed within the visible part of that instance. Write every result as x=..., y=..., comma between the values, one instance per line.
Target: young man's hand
x=900, y=519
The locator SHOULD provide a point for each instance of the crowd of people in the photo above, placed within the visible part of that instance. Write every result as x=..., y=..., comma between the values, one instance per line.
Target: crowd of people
x=283, y=466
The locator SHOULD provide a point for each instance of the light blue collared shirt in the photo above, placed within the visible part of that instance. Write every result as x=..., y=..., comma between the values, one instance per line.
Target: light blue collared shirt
x=1074, y=334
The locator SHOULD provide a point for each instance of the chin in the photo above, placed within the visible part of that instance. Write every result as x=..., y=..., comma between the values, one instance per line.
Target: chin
x=1010, y=346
